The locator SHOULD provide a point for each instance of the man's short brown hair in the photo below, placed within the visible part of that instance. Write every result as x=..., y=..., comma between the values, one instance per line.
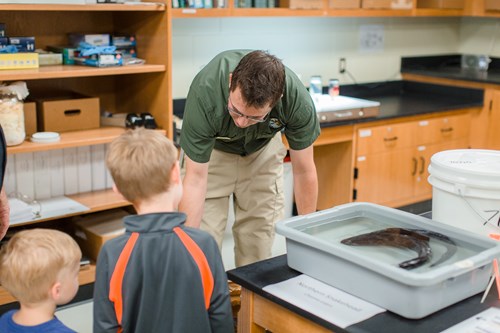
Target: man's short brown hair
x=261, y=79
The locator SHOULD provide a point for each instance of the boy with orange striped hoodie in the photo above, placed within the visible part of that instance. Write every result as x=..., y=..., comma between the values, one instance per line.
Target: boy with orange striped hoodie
x=161, y=276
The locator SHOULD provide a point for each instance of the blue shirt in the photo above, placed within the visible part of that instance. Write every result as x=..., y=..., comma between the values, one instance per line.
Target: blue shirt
x=7, y=325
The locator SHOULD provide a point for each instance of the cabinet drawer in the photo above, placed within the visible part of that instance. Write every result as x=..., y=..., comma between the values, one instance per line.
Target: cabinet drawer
x=443, y=129
x=385, y=138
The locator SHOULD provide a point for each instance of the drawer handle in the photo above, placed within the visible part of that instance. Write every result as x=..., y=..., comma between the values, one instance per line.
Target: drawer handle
x=422, y=169
x=394, y=138
x=73, y=112
x=415, y=162
x=446, y=130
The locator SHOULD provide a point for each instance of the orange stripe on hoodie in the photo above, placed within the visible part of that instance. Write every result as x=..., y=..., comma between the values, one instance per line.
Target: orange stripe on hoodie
x=115, y=285
x=207, y=278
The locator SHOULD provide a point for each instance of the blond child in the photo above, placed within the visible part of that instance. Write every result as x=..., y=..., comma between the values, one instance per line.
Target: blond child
x=161, y=276
x=39, y=267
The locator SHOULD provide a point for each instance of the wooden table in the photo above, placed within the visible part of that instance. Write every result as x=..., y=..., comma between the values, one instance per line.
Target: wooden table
x=260, y=310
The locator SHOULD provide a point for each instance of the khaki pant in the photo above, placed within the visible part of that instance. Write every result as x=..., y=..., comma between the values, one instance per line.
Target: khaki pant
x=256, y=182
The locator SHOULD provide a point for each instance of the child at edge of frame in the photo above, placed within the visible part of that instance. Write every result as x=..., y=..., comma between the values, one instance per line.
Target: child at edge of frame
x=39, y=267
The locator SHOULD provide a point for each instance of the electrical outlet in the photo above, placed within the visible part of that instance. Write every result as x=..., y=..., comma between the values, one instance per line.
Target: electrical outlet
x=342, y=65
x=371, y=38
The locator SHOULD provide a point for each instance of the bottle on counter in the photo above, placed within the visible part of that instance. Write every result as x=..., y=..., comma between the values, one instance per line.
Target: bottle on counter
x=315, y=85
x=333, y=88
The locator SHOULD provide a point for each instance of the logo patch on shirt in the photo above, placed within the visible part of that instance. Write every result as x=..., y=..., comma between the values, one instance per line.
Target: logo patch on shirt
x=275, y=123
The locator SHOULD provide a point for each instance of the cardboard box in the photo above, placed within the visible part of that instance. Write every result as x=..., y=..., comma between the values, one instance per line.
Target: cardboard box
x=115, y=120
x=100, y=60
x=23, y=44
x=50, y=59
x=302, y=4
x=492, y=4
x=18, y=60
x=68, y=53
x=92, y=231
x=345, y=4
x=65, y=114
x=30, y=118
x=93, y=39
x=443, y=4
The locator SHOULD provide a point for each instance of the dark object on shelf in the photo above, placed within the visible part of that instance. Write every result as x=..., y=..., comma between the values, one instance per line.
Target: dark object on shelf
x=133, y=121
x=148, y=121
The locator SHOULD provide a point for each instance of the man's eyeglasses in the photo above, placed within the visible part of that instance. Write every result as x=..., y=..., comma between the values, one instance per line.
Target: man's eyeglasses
x=251, y=118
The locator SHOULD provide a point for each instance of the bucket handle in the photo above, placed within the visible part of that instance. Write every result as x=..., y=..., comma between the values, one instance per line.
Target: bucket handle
x=496, y=212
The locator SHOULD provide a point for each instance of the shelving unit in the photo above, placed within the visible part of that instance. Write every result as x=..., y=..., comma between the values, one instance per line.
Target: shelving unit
x=125, y=89
x=471, y=8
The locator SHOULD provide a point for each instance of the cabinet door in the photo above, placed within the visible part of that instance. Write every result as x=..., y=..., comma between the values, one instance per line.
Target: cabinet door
x=442, y=129
x=422, y=158
x=493, y=141
x=385, y=178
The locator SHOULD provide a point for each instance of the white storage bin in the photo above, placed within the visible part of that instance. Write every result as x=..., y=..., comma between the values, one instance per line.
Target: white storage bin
x=372, y=273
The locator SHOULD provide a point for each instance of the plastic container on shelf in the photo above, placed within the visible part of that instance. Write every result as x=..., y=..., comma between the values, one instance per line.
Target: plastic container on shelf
x=12, y=118
x=12, y=112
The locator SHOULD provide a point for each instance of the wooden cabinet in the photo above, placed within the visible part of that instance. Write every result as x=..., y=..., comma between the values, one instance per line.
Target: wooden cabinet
x=333, y=156
x=392, y=159
x=491, y=122
x=125, y=89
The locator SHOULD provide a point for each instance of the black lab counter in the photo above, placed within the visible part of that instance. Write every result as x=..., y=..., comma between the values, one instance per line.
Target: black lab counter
x=256, y=276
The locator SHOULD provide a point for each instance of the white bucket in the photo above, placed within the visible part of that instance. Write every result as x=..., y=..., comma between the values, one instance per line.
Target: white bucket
x=466, y=189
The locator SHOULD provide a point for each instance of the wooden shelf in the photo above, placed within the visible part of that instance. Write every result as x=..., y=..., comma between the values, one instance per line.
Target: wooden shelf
x=71, y=139
x=96, y=201
x=70, y=71
x=100, y=200
x=286, y=12
x=200, y=12
x=277, y=12
x=146, y=6
x=86, y=276
x=438, y=12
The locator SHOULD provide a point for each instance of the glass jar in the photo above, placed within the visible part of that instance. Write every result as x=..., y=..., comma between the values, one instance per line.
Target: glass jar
x=315, y=85
x=12, y=118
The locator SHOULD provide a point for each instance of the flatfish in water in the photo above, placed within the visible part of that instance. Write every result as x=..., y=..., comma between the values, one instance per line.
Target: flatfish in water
x=396, y=237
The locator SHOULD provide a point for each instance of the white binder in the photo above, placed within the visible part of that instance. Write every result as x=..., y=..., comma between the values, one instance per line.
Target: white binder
x=41, y=161
x=70, y=171
x=57, y=173
x=84, y=169
x=25, y=183
x=98, y=165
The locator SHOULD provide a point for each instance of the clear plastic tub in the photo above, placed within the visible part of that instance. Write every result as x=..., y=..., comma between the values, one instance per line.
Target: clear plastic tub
x=372, y=272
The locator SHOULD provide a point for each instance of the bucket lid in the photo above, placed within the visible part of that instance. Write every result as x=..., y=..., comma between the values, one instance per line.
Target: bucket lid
x=480, y=167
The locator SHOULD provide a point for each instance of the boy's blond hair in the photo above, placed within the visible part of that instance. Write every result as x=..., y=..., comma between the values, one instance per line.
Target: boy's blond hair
x=31, y=261
x=140, y=162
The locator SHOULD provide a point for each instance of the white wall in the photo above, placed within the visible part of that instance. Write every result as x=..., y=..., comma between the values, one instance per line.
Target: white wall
x=312, y=46
x=480, y=36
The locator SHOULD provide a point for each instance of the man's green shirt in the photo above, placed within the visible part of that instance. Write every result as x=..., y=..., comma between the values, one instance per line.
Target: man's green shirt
x=207, y=123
